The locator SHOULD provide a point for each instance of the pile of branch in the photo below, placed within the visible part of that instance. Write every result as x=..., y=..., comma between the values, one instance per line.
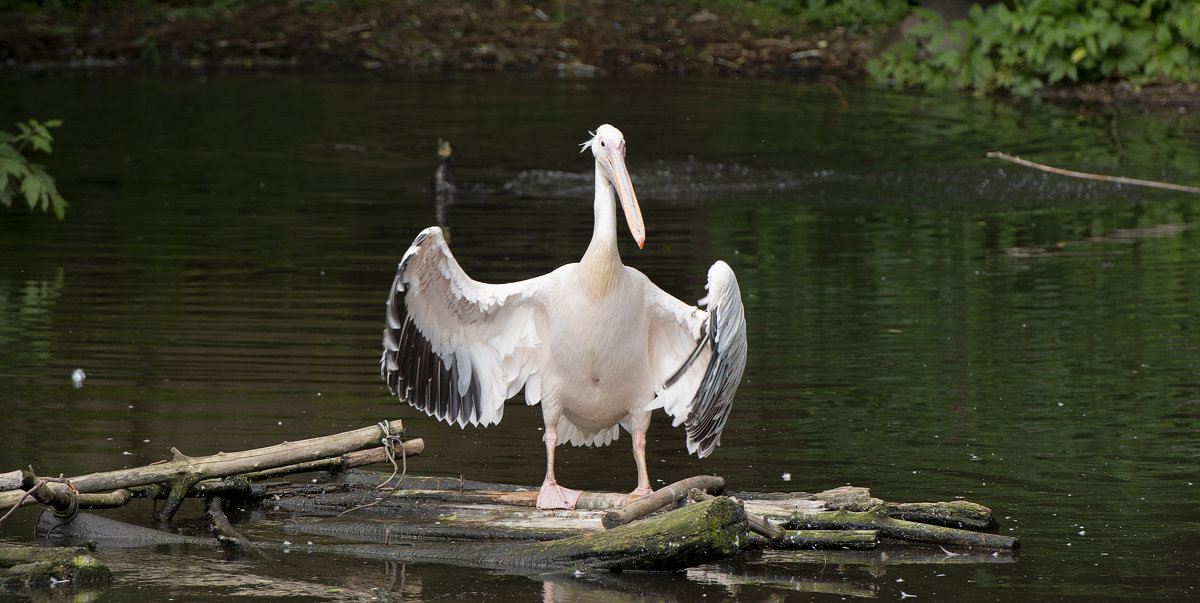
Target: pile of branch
x=186, y=476
x=454, y=520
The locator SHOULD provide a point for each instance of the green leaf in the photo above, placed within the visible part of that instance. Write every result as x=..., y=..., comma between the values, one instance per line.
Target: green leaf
x=1079, y=54
x=32, y=189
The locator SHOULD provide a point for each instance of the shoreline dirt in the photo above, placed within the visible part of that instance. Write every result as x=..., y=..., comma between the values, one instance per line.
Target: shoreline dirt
x=616, y=37
x=569, y=37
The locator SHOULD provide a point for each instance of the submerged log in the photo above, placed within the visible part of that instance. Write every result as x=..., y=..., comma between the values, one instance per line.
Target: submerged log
x=40, y=566
x=86, y=526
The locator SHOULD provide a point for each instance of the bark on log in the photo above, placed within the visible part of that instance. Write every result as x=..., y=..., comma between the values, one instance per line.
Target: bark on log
x=11, y=480
x=183, y=472
x=662, y=497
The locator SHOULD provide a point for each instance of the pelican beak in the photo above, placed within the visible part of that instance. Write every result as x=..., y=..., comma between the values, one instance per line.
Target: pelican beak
x=613, y=160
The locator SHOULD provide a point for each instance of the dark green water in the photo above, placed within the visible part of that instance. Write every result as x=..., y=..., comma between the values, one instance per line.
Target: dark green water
x=923, y=320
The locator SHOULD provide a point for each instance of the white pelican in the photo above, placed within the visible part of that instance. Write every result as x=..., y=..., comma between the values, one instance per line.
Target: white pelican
x=595, y=342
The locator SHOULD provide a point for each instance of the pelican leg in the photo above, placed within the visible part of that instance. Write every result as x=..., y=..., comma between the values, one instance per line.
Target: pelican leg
x=639, y=457
x=551, y=495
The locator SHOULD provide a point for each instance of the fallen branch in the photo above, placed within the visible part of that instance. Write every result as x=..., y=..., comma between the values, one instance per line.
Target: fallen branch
x=661, y=498
x=226, y=533
x=1089, y=176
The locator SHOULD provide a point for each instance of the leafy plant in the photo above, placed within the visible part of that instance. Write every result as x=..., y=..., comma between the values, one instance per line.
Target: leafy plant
x=1024, y=45
x=20, y=176
x=827, y=14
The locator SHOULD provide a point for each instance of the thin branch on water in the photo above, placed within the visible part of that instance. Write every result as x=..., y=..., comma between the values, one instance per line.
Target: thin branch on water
x=1088, y=176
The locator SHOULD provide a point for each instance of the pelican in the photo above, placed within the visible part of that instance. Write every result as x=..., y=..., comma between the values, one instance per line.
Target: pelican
x=596, y=343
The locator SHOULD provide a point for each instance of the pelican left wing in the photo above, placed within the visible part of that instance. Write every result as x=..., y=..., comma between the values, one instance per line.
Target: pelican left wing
x=457, y=348
x=698, y=358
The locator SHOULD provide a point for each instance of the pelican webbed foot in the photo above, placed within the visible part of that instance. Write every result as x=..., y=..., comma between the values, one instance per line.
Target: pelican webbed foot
x=553, y=496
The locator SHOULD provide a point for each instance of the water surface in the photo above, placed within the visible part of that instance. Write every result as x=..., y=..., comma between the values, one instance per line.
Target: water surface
x=923, y=320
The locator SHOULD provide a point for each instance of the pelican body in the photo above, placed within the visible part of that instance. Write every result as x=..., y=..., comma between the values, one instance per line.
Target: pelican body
x=596, y=343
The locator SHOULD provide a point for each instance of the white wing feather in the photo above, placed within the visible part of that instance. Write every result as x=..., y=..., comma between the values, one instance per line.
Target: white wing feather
x=457, y=348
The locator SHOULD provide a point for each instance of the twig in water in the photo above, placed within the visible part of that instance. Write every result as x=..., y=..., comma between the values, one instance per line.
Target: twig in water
x=1088, y=176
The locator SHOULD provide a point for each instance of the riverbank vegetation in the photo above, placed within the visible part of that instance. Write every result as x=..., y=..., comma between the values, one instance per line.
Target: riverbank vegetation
x=20, y=177
x=1021, y=47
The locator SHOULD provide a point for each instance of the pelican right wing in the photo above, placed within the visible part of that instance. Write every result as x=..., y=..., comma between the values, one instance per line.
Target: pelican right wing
x=457, y=348
x=699, y=356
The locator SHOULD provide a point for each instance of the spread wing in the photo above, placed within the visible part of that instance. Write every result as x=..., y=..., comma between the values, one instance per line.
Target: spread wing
x=457, y=348
x=698, y=357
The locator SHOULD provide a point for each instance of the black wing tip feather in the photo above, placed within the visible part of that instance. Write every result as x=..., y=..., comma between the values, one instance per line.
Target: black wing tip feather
x=411, y=369
x=714, y=397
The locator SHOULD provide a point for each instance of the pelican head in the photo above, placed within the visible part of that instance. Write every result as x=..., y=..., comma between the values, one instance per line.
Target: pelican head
x=608, y=146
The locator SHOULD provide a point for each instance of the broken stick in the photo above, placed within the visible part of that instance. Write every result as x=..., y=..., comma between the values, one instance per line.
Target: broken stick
x=1089, y=176
x=661, y=498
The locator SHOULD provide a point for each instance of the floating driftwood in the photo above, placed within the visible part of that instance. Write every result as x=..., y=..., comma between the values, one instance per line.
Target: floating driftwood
x=460, y=521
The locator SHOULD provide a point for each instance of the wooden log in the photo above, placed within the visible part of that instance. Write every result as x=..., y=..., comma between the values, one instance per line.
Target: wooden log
x=182, y=472
x=662, y=497
x=878, y=519
x=954, y=514
x=42, y=566
x=358, y=458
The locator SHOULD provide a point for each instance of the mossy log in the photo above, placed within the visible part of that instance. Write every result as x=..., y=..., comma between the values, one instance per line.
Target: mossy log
x=682, y=538
x=853, y=508
x=45, y=565
x=878, y=519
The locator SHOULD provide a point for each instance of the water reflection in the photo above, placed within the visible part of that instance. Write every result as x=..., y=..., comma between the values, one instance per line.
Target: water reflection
x=924, y=321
